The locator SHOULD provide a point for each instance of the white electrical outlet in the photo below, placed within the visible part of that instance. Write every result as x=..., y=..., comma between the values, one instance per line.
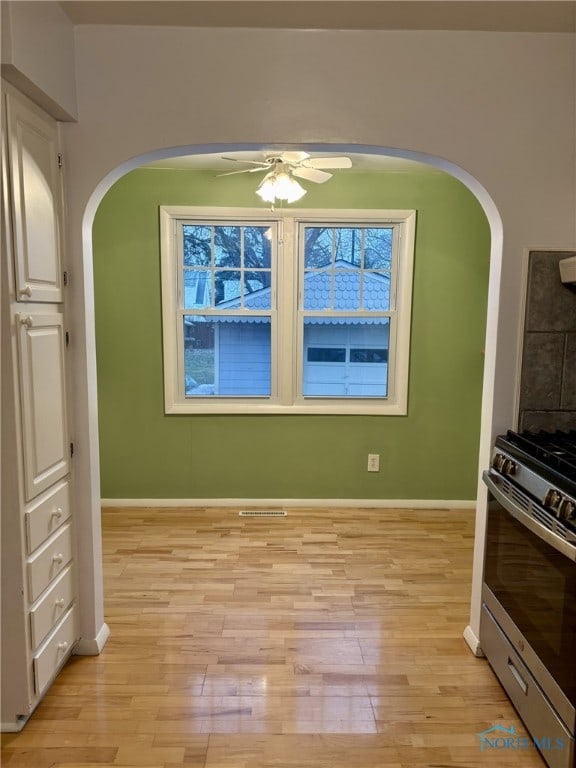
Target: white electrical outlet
x=373, y=462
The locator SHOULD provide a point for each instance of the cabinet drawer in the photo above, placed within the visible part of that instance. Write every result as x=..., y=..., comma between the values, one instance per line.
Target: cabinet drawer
x=55, y=651
x=46, y=515
x=52, y=606
x=49, y=561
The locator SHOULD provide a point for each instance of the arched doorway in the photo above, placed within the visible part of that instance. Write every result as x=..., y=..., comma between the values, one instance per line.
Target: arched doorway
x=492, y=308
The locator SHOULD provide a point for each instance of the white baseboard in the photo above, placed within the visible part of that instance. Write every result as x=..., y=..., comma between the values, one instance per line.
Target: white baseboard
x=473, y=642
x=291, y=503
x=92, y=646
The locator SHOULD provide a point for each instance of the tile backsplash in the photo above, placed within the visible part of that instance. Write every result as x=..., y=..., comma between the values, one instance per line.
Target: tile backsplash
x=548, y=379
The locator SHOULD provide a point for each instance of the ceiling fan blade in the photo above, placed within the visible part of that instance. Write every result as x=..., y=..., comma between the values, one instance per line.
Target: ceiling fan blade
x=294, y=157
x=233, y=173
x=245, y=170
x=311, y=174
x=327, y=162
x=246, y=162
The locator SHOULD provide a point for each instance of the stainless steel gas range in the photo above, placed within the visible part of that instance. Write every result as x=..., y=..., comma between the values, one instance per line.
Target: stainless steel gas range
x=528, y=622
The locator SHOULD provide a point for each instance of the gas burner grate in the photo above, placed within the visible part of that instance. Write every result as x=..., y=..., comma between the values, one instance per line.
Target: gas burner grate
x=556, y=450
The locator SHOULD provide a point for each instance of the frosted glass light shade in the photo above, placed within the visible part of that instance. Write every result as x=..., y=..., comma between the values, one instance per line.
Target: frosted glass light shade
x=280, y=186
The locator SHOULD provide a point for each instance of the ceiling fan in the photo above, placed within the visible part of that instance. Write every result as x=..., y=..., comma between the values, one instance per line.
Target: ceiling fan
x=279, y=182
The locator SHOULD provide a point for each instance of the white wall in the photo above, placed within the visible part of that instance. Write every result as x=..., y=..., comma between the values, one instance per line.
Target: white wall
x=38, y=55
x=501, y=106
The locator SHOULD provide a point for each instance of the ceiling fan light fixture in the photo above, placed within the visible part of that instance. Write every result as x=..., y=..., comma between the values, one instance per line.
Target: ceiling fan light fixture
x=280, y=186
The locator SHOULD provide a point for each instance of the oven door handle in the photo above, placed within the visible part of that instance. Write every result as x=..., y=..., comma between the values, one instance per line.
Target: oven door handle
x=559, y=544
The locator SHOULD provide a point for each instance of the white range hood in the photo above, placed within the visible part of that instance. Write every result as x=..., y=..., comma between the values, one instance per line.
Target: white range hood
x=568, y=269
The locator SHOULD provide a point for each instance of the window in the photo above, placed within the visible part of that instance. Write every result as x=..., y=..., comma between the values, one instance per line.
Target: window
x=290, y=311
x=226, y=303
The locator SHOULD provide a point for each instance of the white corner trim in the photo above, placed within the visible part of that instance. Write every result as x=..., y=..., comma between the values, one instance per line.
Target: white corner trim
x=339, y=503
x=473, y=642
x=14, y=727
x=92, y=646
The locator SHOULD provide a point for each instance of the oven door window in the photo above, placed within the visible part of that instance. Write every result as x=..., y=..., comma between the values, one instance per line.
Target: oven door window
x=536, y=585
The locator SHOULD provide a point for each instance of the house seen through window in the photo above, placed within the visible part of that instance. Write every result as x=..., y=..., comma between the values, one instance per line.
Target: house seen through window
x=286, y=311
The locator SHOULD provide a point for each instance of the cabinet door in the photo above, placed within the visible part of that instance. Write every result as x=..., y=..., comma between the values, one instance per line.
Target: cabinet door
x=35, y=187
x=43, y=392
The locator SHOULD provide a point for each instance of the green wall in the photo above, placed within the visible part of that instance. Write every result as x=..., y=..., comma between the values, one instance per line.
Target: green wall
x=429, y=454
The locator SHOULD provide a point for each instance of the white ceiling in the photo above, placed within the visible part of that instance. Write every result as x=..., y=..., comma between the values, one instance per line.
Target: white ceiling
x=482, y=15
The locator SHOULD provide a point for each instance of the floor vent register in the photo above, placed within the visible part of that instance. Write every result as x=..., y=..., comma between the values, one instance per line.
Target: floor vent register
x=263, y=513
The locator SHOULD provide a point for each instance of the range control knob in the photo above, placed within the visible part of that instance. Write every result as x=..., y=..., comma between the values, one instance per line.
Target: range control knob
x=498, y=461
x=509, y=467
x=552, y=498
x=567, y=509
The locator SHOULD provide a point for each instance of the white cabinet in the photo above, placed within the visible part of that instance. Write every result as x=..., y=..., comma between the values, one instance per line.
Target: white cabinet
x=39, y=596
x=36, y=201
x=46, y=448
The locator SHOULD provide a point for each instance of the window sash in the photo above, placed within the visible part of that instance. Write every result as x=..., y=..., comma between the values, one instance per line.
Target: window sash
x=391, y=388
x=212, y=269
x=332, y=270
x=180, y=357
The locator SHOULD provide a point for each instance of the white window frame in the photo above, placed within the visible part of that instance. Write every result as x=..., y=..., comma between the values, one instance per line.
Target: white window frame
x=287, y=329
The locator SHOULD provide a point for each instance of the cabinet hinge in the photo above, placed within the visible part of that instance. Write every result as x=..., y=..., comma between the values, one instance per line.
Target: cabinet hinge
x=65, y=278
x=60, y=160
x=67, y=338
x=71, y=449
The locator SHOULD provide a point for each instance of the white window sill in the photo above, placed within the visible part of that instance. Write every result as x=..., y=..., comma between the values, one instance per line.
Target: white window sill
x=333, y=409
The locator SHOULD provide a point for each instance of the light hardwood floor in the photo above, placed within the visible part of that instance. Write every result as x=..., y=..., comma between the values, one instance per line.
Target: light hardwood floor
x=326, y=639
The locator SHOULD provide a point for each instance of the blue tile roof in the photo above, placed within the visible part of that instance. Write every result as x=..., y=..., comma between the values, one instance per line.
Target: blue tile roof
x=257, y=300
x=317, y=295
x=317, y=290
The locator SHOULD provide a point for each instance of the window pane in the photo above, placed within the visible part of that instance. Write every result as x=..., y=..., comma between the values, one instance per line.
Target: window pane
x=227, y=287
x=347, y=289
x=347, y=377
x=378, y=248
x=376, y=293
x=257, y=247
x=369, y=356
x=257, y=290
x=318, y=247
x=349, y=245
x=326, y=355
x=227, y=356
x=227, y=246
x=317, y=290
x=199, y=378
x=197, y=244
x=197, y=288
